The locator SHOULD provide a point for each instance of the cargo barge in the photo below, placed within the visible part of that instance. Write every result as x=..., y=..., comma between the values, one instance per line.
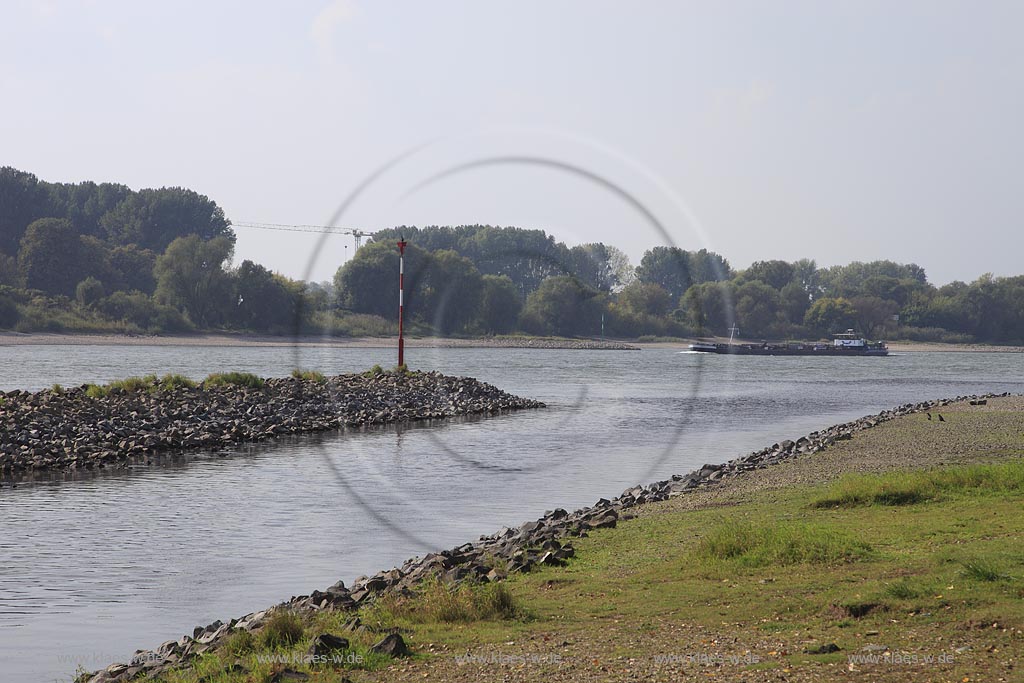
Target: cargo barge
x=845, y=344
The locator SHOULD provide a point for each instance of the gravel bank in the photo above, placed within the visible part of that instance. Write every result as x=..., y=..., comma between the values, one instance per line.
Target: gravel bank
x=68, y=429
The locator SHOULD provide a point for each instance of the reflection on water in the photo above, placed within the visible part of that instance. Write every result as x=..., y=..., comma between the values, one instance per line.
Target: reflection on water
x=93, y=566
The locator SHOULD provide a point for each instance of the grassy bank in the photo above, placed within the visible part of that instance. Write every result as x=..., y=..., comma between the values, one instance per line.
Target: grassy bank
x=898, y=555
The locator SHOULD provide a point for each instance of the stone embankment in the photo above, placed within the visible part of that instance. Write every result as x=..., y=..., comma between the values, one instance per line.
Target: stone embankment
x=546, y=541
x=69, y=429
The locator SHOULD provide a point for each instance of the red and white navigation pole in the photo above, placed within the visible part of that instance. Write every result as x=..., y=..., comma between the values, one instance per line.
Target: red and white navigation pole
x=401, y=299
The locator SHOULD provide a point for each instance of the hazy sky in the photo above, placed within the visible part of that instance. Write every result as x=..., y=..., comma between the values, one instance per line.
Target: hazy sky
x=836, y=131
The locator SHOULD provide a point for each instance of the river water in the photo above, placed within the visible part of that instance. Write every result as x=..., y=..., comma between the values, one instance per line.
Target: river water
x=93, y=567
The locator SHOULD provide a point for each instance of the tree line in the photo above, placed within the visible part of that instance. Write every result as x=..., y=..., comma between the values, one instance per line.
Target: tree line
x=481, y=279
x=103, y=257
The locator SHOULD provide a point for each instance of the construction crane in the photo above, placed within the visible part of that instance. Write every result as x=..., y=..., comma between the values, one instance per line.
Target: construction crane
x=356, y=233
x=359, y=235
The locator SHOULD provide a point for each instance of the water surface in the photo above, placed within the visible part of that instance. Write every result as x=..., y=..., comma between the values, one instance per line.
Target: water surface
x=93, y=567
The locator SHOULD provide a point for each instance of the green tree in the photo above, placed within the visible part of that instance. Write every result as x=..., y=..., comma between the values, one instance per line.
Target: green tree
x=500, y=304
x=525, y=256
x=775, y=274
x=9, y=274
x=24, y=199
x=368, y=283
x=84, y=204
x=264, y=302
x=51, y=257
x=131, y=268
x=645, y=298
x=190, y=276
x=89, y=291
x=830, y=315
x=872, y=313
x=152, y=219
x=600, y=266
x=709, y=307
x=450, y=292
x=9, y=315
x=562, y=306
x=707, y=266
x=676, y=270
x=667, y=267
x=848, y=280
x=757, y=308
x=805, y=271
x=794, y=302
x=622, y=271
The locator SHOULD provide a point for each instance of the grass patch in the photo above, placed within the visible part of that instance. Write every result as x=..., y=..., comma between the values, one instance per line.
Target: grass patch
x=126, y=385
x=240, y=643
x=904, y=590
x=283, y=629
x=374, y=371
x=984, y=569
x=132, y=384
x=910, y=488
x=170, y=382
x=436, y=601
x=309, y=375
x=238, y=379
x=760, y=545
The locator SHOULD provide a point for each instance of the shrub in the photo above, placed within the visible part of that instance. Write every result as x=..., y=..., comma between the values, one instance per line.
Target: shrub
x=309, y=375
x=132, y=384
x=374, y=371
x=903, y=590
x=89, y=291
x=436, y=601
x=95, y=391
x=9, y=315
x=141, y=310
x=284, y=628
x=170, y=382
x=240, y=643
x=240, y=379
x=983, y=569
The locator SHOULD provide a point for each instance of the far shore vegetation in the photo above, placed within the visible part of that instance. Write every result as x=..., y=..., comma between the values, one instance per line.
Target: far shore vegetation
x=103, y=258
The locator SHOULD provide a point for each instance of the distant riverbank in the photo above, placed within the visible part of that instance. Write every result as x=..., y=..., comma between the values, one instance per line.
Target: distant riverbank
x=225, y=339
x=511, y=341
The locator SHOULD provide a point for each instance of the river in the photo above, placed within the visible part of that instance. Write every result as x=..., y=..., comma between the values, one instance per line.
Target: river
x=94, y=566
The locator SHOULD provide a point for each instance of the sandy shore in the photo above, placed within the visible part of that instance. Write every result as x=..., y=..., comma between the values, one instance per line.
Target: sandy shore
x=49, y=339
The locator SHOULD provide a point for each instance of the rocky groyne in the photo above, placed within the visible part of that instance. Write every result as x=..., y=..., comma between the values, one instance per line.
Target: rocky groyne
x=69, y=429
x=545, y=541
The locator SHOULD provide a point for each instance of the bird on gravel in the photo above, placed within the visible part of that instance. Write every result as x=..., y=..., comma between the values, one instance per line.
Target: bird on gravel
x=941, y=419
x=929, y=415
